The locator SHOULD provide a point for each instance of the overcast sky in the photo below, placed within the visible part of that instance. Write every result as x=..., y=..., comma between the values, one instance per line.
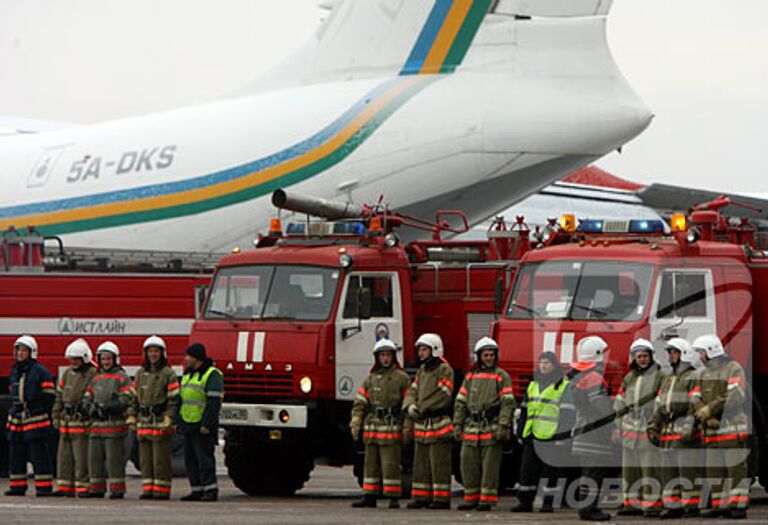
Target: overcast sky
x=702, y=65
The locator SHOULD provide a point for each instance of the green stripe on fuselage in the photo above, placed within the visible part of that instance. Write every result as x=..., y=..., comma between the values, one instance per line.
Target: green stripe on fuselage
x=250, y=193
x=466, y=35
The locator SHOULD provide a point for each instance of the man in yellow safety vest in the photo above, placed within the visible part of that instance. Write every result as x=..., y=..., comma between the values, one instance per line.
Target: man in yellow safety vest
x=202, y=390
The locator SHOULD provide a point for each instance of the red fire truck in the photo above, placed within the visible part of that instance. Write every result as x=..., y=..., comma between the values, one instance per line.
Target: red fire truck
x=58, y=295
x=635, y=278
x=293, y=322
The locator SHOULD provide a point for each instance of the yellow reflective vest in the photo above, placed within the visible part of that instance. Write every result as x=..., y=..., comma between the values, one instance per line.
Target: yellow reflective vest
x=193, y=395
x=543, y=409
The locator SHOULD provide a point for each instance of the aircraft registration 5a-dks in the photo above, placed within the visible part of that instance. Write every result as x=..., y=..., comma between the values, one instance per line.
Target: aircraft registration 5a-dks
x=460, y=104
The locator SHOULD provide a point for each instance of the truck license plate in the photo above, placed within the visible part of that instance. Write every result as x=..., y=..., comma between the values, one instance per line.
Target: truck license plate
x=275, y=435
x=234, y=414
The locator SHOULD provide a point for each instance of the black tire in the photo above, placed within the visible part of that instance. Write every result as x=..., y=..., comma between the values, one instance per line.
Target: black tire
x=260, y=470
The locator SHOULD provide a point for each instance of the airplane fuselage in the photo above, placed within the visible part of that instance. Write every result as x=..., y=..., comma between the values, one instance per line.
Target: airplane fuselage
x=199, y=178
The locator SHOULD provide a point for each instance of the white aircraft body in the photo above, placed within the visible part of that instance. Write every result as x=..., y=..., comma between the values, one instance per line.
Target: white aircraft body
x=439, y=104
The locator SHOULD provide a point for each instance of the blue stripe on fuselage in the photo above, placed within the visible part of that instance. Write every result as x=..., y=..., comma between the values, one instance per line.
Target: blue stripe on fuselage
x=427, y=37
x=205, y=180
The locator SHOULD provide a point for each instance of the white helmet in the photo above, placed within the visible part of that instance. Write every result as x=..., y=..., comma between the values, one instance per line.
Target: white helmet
x=638, y=345
x=486, y=343
x=591, y=349
x=28, y=341
x=384, y=345
x=109, y=346
x=711, y=344
x=78, y=348
x=687, y=353
x=154, y=340
x=432, y=341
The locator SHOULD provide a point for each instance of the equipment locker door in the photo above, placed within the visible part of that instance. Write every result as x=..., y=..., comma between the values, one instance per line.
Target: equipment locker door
x=683, y=306
x=356, y=337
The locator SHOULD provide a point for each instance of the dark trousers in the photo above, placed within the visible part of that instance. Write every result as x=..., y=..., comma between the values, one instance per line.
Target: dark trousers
x=537, y=465
x=39, y=453
x=591, y=486
x=200, y=461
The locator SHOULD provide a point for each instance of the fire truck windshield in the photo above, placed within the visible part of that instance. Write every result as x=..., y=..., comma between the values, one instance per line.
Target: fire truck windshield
x=302, y=293
x=581, y=290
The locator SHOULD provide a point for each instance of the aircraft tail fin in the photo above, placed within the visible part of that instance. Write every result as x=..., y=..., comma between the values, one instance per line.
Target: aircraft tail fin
x=376, y=38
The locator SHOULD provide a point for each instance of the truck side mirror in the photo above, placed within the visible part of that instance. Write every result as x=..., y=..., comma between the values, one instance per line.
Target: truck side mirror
x=499, y=294
x=200, y=294
x=364, y=301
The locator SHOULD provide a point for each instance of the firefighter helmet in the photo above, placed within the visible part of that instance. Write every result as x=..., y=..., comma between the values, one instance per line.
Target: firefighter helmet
x=154, y=340
x=591, y=349
x=486, y=343
x=384, y=345
x=687, y=353
x=109, y=346
x=28, y=341
x=78, y=348
x=432, y=341
x=639, y=345
x=711, y=344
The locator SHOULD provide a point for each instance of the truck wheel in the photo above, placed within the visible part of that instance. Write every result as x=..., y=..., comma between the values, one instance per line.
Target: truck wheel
x=261, y=470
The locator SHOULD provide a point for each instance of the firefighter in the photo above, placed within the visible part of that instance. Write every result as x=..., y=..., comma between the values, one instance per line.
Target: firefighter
x=29, y=429
x=592, y=432
x=429, y=404
x=378, y=411
x=108, y=401
x=672, y=429
x=545, y=425
x=718, y=398
x=634, y=405
x=157, y=395
x=202, y=390
x=70, y=418
x=482, y=422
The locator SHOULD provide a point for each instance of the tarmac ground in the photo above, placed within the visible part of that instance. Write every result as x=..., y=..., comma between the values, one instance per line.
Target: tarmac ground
x=325, y=499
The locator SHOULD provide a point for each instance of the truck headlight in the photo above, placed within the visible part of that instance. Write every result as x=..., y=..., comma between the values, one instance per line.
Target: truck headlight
x=305, y=384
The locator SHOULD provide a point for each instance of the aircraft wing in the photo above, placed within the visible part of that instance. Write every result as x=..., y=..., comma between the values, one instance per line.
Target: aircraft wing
x=18, y=125
x=668, y=199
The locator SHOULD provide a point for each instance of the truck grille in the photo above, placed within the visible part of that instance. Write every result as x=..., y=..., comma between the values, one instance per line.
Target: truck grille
x=257, y=384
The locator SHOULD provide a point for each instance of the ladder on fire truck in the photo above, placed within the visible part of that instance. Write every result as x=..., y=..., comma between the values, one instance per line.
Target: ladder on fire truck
x=35, y=253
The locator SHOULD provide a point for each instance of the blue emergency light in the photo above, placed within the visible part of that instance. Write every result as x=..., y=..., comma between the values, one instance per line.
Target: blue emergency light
x=643, y=226
x=296, y=228
x=621, y=226
x=591, y=226
x=349, y=228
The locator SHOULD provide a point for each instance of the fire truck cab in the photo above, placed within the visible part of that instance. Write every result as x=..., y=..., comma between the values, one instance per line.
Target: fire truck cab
x=292, y=325
x=622, y=280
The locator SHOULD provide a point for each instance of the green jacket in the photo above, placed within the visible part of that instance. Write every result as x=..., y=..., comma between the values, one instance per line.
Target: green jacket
x=378, y=406
x=68, y=408
x=634, y=404
x=111, y=396
x=157, y=395
x=673, y=424
x=432, y=393
x=721, y=389
x=484, y=406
